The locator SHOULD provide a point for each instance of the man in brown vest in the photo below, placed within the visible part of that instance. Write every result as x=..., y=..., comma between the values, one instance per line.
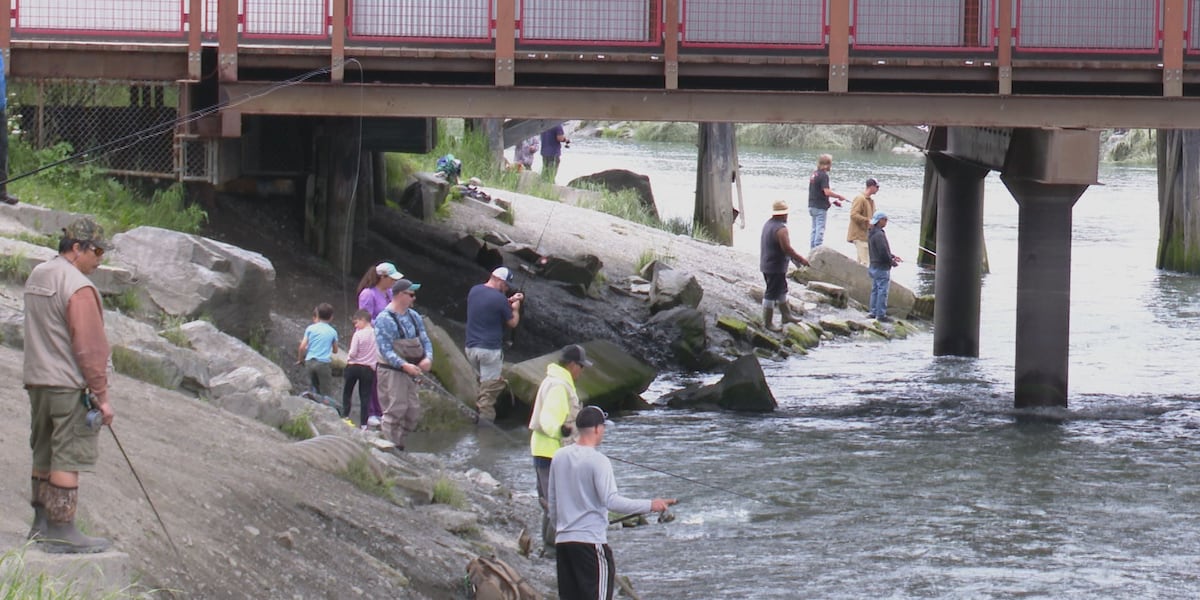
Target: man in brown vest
x=66, y=375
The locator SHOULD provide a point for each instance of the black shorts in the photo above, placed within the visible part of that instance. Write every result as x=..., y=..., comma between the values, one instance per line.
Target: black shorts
x=585, y=571
x=776, y=286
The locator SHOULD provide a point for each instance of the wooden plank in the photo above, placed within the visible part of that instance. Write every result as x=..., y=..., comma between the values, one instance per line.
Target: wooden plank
x=671, y=44
x=1174, y=16
x=839, y=45
x=337, y=51
x=506, y=42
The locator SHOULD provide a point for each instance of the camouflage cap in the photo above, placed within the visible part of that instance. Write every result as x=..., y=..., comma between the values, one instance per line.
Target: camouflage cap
x=87, y=230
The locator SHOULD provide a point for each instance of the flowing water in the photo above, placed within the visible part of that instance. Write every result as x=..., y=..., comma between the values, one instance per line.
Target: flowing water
x=890, y=473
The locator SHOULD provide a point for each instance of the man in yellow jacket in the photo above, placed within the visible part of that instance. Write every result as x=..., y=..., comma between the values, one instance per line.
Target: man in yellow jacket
x=554, y=409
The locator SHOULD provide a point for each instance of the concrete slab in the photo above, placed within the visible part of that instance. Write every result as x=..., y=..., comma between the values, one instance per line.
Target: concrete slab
x=89, y=575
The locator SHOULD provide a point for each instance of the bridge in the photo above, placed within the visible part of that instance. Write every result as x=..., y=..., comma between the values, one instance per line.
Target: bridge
x=264, y=88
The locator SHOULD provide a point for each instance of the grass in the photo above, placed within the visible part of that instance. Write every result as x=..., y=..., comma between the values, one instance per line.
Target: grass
x=446, y=492
x=14, y=268
x=19, y=583
x=358, y=471
x=299, y=427
x=127, y=302
x=172, y=330
x=128, y=363
x=37, y=239
x=258, y=340
x=650, y=255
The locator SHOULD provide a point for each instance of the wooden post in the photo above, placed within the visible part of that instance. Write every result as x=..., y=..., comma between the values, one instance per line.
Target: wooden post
x=714, y=180
x=506, y=43
x=839, y=45
x=195, y=32
x=1179, y=200
x=338, y=45
x=1174, y=15
x=1004, y=46
x=671, y=44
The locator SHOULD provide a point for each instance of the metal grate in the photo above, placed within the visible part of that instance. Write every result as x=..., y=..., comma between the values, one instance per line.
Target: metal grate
x=1124, y=26
x=421, y=19
x=126, y=127
x=615, y=22
x=753, y=23
x=286, y=19
x=196, y=159
x=123, y=18
x=927, y=24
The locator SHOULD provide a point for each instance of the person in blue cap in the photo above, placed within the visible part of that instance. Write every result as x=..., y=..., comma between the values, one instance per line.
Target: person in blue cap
x=882, y=261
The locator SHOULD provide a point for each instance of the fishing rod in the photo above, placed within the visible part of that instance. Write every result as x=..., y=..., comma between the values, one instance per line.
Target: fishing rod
x=927, y=250
x=689, y=480
x=146, y=495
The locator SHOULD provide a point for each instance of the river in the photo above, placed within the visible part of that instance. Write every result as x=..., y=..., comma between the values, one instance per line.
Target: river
x=890, y=473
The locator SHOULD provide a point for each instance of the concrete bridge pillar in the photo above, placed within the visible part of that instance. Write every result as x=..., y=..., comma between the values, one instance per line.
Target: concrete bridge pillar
x=1179, y=200
x=960, y=255
x=714, y=178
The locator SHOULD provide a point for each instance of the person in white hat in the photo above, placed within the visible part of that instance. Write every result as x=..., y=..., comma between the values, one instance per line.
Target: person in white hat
x=775, y=252
x=489, y=311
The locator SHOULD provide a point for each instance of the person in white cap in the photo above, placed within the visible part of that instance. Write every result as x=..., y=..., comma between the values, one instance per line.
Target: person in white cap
x=374, y=294
x=489, y=311
x=882, y=261
x=775, y=252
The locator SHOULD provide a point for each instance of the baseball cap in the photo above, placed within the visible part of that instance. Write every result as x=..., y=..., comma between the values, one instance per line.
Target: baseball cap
x=87, y=230
x=503, y=274
x=872, y=183
x=878, y=216
x=576, y=354
x=387, y=269
x=404, y=285
x=591, y=416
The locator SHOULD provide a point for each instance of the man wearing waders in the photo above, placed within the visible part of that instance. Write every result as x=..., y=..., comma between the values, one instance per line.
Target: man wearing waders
x=775, y=252
x=488, y=313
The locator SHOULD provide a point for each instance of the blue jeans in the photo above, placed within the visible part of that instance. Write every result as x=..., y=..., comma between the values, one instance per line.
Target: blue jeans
x=818, y=226
x=880, y=280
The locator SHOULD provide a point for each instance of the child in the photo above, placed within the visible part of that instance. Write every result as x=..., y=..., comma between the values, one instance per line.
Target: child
x=360, y=367
x=317, y=348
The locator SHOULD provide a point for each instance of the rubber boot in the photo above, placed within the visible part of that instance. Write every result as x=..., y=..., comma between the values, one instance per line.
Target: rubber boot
x=38, y=529
x=486, y=401
x=61, y=536
x=785, y=314
x=768, y=316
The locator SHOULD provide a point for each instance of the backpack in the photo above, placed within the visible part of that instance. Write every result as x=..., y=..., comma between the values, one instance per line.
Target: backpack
x=493, y=579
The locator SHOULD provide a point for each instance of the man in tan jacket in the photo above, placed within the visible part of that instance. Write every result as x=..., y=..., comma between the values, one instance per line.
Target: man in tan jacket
x=860, y=220
x=66, y=375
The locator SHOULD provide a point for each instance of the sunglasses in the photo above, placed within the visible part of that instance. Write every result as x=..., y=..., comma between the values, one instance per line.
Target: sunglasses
x=98, y=251
x=410, y=294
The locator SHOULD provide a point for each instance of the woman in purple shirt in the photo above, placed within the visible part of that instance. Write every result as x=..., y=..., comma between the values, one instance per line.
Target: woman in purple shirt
x=375, y=293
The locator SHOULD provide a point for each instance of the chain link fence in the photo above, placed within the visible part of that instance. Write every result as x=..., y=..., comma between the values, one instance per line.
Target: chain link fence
x=124, y=127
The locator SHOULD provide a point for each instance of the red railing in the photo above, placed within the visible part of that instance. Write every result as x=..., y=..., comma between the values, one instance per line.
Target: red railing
x=286, y=19
x=753, y=23
x=590, y=22
x=105, y=18
x=468, y=21
x=923, y=25
x=1191, y=31
x=1088, y=26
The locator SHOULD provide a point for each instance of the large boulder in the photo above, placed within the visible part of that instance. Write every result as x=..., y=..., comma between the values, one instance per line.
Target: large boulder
x=224, y=353
x=743, y=388
x=142, y=352
x=831, y=266
x=617, y=180
x=614, y=381
x=423, y=194
x=450, y=365
x=683, y=329
x=671, y=288
x=189, y=275
x=580, y=270
x=109, y=279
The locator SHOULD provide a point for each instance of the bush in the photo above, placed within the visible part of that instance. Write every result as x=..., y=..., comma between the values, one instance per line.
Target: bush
x=446, y=492
x=14, y=268
x=358, y=471
x=299, y=427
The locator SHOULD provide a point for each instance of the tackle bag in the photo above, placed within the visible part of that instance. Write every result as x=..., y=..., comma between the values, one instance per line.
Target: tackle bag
x=410, y=349
x=493, y=579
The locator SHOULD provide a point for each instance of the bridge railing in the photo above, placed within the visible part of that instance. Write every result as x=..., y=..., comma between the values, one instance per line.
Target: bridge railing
x=286, y=20
x=392, y=21
x=1192, y=32
x=923, y=25
x=590, y=22
x=1088, y=26
x=765, y=24
x=100, y=18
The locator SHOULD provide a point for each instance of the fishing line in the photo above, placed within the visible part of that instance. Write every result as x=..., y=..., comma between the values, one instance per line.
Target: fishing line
x=99, y=151
x=146, y=495
x=347, y=245
x=690, y=480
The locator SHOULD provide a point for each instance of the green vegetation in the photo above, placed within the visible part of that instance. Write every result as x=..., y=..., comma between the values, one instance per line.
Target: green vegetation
x=359, y=472
x=650, y=255
x=127, y=302
x=299, y=427
x=19, y=583
x=446, y=492
x=128, y=363
x=625, y=205
x=1131, y=146
x=260, y=342
x=14, y=268
x=172, y=330
x=37, y=239
x=86, y=189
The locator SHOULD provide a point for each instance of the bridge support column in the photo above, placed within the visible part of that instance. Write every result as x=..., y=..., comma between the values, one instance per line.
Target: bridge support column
x=336, y=214
x=714, y=178
x=960, y=259
x=1043, y=290
x=1179, y=200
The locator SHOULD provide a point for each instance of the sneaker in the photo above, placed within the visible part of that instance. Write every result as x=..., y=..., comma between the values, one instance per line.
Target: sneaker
x=348, y=423
x=373, y=421
x=362, y=427
x=870, y=315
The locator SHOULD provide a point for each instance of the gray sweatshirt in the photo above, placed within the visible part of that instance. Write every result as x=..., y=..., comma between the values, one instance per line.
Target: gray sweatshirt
x=582, y=490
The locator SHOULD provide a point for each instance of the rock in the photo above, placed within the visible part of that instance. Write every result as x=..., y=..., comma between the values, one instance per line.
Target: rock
x=189, y=275
x=580, y=270
x=140, y=351
x=109, y=279
x=526, y=253
x=761, y=339
x=735, y=326
x=831, y=266
x=802, y=334
x=286, y=540
x=922, y=308
x=239, y=380
x=450, y=365
x=12, y=327
x=468, y=246
x=225, y=353
x=674, y=288
x=423, y=194
x=684, y=330
x=615, y=380
x=837, y=294
x=743, y=388
x=836, y=326
x=617, y=180
x=652, y=268
x=451, y=519
x=496, y=238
